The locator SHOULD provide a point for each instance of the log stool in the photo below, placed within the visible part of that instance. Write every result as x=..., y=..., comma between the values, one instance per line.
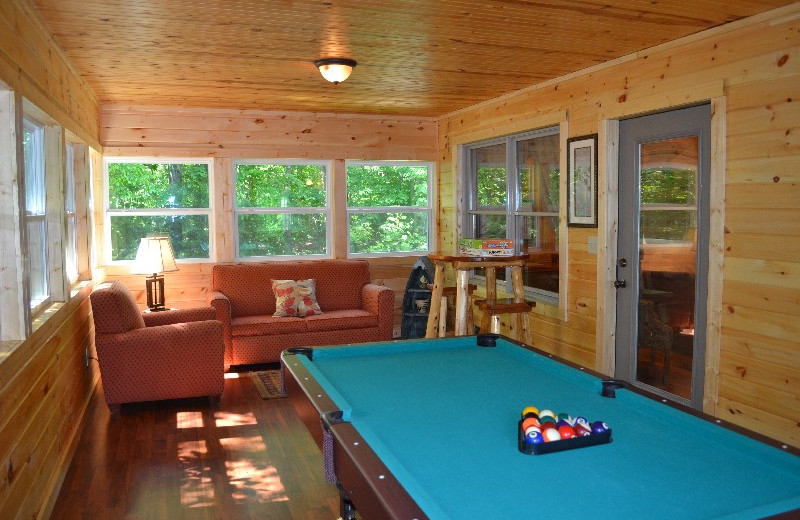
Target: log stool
x=492, y=309
x=451, y=291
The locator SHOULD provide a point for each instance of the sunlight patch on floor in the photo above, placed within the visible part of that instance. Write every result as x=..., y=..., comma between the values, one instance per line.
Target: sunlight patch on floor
x=239, y=444
x=189, y=420
x=197, y=489
x=234, y=419
x=250, y=481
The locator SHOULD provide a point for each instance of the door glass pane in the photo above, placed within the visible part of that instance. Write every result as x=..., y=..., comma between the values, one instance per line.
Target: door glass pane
x=667, y=253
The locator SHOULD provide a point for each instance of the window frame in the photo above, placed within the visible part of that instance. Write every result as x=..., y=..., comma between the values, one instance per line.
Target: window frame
x=151, y=212
x=513, y=211
x=326, y=210
x=71, y=262
x=37, y=305
x=428, y=209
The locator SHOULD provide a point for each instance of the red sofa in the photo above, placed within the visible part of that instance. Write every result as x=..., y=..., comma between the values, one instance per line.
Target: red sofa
x=353, y=309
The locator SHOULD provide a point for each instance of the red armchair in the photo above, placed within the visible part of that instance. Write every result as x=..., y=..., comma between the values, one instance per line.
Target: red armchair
x=155, y=356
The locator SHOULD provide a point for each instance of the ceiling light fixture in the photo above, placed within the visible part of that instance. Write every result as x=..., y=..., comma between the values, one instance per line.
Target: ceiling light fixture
x=335, y=70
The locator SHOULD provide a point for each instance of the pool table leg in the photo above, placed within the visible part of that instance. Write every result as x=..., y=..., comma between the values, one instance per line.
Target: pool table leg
x=346, y=508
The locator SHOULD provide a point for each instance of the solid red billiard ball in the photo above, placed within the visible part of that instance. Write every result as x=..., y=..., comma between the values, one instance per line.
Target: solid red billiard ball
x=566, y=431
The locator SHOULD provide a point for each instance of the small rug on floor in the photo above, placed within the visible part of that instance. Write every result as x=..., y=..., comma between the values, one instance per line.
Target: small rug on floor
x=268, y=383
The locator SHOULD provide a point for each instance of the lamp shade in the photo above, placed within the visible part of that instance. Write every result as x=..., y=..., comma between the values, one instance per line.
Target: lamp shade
x=335, y=70
x=154, y=256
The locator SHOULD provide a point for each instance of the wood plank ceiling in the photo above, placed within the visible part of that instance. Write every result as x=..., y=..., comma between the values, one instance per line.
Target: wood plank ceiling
x=416, y=57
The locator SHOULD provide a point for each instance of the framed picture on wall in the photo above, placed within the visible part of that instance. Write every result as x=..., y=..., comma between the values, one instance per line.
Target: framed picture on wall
x=582, y=181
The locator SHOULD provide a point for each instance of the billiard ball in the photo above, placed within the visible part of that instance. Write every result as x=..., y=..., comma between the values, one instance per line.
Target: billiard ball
x=534, y=437
x=566, y=431
x=583, y=421
x=599, y=427
x=530, y=410
x=547, y=413
x=530, y=421
x=532, y=429
x=564, y=417
x=551, y=434
x=547, y=419
x=547, y=425
x=581, y=430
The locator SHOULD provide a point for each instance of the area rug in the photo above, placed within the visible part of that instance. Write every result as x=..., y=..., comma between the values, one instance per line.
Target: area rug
x=268, y=383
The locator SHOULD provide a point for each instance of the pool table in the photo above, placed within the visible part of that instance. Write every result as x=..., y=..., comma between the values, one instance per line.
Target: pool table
x=428, y=428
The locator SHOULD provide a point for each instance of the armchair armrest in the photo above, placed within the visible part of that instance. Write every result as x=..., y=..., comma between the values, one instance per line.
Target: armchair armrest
x=154, y=319
x=222, y=309
x=379, y=300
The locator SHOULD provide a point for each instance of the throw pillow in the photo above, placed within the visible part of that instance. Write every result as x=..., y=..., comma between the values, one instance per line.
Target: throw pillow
x=295, y=298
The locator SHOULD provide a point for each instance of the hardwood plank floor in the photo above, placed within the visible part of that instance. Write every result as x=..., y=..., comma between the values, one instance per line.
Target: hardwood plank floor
x=186, y=459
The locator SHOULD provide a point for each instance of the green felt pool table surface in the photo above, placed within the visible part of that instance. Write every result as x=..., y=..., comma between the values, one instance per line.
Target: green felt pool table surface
x=442, y=416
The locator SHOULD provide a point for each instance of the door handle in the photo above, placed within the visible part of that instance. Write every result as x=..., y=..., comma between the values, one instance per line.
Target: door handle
x=620, y=283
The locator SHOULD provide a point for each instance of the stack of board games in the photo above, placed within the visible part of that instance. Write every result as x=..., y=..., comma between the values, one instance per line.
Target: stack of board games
x=485, y=247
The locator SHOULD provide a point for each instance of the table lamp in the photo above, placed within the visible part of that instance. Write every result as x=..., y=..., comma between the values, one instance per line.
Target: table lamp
x=155, y=256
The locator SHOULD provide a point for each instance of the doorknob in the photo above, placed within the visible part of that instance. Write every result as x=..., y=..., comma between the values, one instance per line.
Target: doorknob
x=620, y=283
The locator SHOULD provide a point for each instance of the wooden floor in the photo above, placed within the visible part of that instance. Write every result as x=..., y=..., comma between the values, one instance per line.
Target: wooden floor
x=244, y=458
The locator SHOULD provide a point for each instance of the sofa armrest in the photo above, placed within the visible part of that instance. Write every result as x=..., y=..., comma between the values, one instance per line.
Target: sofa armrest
x=222, y=309
x=153, y=319
x=379, y=300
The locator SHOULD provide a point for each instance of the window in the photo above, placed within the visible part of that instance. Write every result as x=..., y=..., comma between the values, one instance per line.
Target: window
x=146, y=198
x=70, y=242
x=669, y=191
x=35, y=213
x=282, y=208
x=513, y=192
x=388, y=207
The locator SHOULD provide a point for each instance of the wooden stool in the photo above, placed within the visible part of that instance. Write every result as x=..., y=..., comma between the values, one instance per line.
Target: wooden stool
x=492, y=309
x=451, y=291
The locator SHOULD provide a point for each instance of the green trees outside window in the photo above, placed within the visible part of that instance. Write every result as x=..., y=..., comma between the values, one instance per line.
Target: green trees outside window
x=669, y=205
x=281, y=209
x=158, y=198
x=388, y=206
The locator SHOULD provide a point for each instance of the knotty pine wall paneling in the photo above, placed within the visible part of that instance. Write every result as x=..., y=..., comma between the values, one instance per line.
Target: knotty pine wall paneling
x=44, y=384
x=32, y=63
x=750, y=70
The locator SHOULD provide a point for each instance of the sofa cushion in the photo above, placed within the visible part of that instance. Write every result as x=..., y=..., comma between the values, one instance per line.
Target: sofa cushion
x=295, y=298
x=266, y=325
x=339, y=320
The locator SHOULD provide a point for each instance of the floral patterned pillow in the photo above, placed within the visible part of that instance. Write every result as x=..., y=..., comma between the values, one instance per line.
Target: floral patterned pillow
x=295, y=298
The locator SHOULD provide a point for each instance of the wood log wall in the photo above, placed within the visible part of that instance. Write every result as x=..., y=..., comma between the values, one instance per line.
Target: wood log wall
x=44, y=384
x=230, y=134
x=751, y=69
